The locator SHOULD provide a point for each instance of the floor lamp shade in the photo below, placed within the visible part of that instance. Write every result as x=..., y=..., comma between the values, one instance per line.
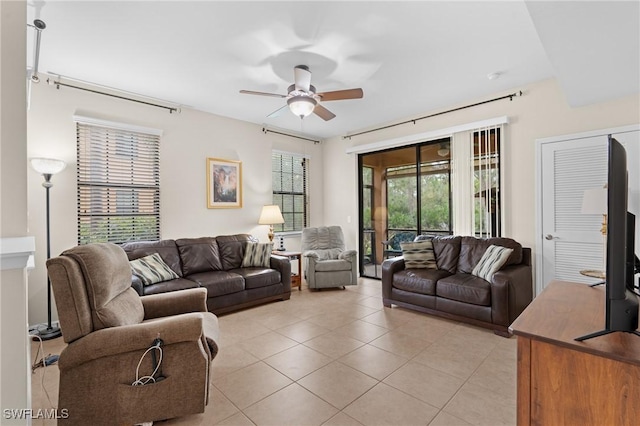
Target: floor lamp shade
x=48, y=167
x=270, y=215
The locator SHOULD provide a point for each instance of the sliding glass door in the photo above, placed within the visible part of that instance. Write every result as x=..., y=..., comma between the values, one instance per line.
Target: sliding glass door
x=404, y=192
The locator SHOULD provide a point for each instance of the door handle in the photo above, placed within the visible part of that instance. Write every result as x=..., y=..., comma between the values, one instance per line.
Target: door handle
x=549, y=237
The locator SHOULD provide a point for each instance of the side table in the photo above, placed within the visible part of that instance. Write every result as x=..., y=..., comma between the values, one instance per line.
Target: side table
x=593, y=273
x=296, y=279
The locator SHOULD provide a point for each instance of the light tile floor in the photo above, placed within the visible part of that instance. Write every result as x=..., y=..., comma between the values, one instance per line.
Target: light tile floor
x=337, y=357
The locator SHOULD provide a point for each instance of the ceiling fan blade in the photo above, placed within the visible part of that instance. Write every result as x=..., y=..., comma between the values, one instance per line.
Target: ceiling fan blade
x=302, y=78
x=251, y=92
x=278, y=112
x=323, y=113
x=341, y=94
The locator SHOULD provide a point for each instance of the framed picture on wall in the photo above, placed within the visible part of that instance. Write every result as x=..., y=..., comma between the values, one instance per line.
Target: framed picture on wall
x=224, y=183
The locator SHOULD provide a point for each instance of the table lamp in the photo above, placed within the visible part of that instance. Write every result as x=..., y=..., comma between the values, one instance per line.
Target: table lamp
x=270, y=215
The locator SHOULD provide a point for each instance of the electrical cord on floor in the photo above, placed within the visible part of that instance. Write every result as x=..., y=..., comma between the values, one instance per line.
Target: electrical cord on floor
x=43, y=362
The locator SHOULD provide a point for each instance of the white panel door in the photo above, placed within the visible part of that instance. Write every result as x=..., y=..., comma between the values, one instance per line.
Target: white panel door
x=570, y=241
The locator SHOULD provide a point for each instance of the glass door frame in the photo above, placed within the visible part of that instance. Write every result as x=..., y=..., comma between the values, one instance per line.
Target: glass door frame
x=418, y=225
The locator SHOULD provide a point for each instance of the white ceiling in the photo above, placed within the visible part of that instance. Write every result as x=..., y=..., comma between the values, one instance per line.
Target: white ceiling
x=410, y=58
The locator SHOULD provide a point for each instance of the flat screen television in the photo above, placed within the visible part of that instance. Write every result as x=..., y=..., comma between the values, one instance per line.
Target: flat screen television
x=621, y=309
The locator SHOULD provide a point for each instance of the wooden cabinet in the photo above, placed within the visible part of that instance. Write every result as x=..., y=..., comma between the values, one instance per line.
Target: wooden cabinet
x=565, y=382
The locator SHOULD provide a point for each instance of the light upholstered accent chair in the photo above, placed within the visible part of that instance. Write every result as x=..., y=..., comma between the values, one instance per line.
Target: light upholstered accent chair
x=327, y=263
x=108, y=328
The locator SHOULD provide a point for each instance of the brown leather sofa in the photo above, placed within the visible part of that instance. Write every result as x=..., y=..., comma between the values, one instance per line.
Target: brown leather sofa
x=215, y=264
x=452, y=292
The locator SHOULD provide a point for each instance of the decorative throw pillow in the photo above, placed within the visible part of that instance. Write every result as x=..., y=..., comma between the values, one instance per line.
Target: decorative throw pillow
x=152, y=269
x=257, y=255
x=419, y=254
x=492, y=260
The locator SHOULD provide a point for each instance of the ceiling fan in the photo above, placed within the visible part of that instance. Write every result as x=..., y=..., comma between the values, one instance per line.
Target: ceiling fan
x=302, y=98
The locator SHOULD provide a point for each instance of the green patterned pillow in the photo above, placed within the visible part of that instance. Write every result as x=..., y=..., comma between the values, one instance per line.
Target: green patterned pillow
x=152, y=269
x=492, y=260
x=257, y=255
x=419, y=254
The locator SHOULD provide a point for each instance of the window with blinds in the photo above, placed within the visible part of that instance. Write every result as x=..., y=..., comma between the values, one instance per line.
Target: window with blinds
x=290, y=190
x=118, y=176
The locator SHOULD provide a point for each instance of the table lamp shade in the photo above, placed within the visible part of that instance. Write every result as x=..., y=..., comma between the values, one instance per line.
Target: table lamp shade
x=270, y=215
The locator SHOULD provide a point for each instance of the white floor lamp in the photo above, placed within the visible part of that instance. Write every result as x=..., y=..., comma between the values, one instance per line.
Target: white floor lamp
x=48, y=167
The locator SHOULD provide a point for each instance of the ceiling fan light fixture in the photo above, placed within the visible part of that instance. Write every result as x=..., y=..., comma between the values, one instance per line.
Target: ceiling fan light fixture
x=301, y=106
x=444, y=150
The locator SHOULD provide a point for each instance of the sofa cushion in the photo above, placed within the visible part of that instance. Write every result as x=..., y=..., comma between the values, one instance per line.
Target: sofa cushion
x=199, y=255
x=219, y=283
x=171, y=285
x=465, y=288
x=107, y=275
x=332, y=265
x=492, y=260
x=151, y=269
x=232, y=249
x=257, y=277
x=447, y=251
x=421, y=281
x=257, y=255
x=167, y=250
x=419, y=255
x=472, y=249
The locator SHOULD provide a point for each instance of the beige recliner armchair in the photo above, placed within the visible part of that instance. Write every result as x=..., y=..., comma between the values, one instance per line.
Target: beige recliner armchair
x=327, y=263
x=108, y=327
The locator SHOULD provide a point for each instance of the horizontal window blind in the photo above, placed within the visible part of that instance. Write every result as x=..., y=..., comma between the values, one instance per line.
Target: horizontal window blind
x=118, y=177
x=289, y=182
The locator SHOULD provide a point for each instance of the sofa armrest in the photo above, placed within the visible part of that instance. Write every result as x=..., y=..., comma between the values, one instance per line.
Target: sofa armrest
x=136, y=337
x=278, y=262
x=282, y=264
x=349, y=255
x=526, y=256
x=174, y=303
x=137, y=285
x=511, y=293
x=390, y=267
x=311, y=254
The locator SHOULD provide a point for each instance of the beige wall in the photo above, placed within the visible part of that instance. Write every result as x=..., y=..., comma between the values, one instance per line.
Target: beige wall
x=541, y=112
x=188, y=139
x=14, y=357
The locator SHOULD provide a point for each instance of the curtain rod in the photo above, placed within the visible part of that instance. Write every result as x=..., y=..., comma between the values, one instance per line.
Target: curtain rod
x=510, y=97
x=265, y=131
x=58, y=84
